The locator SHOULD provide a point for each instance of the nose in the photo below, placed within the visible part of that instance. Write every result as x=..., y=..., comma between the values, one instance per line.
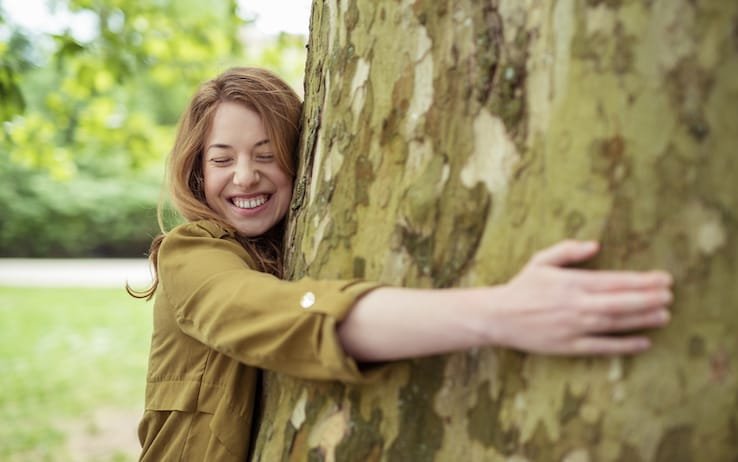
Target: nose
x=245, y=174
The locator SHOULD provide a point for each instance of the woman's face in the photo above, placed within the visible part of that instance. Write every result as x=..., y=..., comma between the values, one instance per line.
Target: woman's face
x=244, y=183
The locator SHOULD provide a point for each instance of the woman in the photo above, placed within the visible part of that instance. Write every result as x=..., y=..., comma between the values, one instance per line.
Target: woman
x=222, y=312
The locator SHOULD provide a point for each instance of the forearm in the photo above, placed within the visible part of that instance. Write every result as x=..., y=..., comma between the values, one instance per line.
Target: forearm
x=546, y=308
x=397, y=323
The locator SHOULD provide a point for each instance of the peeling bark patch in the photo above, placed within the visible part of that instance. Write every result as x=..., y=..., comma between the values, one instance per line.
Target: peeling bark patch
x=328, y=433
x=574, y=222
x=570, y=406
x=577, y=455
x=358, y=92
x=422, y=428
x=298, y=414
x=316, y=455
x=332, y=163
x=487, y=44
x=363, y=176
x=508, y=97
x=719, y=366
x=614, y=4
x=484, y=423
x=540, y=447
x=706, y=229
x=608, y=160
x=494, y=158
x=616, y=372
x=364, y=442
x=359, y=267
x=458, y=244
x=320, y=227
x=420, y=247
x=391, y=124
x=676, y=445
x=622, y=58
x=628, y=454
x=689, y=86
x=696, y=347
x=710, y=237
x=602, y=41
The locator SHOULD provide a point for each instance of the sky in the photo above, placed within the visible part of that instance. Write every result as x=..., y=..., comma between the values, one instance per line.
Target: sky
x=272, y=16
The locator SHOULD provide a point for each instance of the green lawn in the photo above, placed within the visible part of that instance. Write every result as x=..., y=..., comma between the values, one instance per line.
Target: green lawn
x=72, y=371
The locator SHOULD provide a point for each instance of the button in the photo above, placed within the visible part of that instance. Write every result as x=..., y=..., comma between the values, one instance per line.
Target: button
x=307, y=300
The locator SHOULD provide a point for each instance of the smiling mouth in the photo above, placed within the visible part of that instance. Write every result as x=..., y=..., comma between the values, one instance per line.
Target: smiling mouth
x=250, y=203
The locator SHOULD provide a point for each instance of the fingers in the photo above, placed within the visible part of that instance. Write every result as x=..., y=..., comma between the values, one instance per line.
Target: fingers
x=626, y=302
x=565, y=253
x=605, y=323
x=608, y=346
x=606, y=281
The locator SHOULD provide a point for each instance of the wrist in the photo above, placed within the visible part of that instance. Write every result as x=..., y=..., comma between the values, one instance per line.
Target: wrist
x=480, y=313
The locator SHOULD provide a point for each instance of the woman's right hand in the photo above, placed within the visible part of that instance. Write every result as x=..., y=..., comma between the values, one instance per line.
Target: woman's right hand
x=551, y=309
x=547, y=308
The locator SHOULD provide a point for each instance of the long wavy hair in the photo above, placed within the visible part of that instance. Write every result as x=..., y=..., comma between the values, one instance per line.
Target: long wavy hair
x=279, y=108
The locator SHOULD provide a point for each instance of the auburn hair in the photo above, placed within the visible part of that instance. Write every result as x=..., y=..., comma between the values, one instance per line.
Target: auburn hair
x=279, y=108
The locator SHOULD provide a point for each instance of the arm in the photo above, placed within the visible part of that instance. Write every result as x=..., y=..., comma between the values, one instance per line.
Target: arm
x=547, y=308
x=211, y=294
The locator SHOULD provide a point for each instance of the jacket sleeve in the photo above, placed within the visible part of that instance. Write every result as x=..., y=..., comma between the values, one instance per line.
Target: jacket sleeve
x=254, y=317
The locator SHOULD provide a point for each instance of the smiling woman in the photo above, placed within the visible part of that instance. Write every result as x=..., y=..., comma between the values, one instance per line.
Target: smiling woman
x=244, y=180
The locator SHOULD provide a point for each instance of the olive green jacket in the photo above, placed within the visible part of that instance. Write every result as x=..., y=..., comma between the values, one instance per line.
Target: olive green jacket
x=216, y=322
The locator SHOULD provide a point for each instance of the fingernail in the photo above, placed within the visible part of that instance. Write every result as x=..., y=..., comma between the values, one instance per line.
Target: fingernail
x=664, y=277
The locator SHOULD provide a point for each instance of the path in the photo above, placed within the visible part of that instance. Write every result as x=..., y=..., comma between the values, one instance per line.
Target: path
x=42, y=272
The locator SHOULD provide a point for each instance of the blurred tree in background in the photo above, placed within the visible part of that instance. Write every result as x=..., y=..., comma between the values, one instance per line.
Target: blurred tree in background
x=86, y=123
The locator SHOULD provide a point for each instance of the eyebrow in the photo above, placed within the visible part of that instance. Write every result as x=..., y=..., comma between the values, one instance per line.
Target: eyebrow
x=228, y=146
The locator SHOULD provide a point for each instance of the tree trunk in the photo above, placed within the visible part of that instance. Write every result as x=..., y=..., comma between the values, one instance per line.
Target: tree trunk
x=444, y=142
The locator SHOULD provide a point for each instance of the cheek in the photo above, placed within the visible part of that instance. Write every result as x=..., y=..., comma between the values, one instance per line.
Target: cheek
x=210, y=185
x=288, y=188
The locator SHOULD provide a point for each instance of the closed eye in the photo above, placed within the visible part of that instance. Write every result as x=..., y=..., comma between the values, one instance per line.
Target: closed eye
x=265, y=157
x=219, y=160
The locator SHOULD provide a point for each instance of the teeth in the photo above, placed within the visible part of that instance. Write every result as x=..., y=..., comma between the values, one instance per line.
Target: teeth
x=249, y=203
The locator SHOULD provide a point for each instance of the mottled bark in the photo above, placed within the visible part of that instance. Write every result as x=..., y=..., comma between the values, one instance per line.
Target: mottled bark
x=445, y=141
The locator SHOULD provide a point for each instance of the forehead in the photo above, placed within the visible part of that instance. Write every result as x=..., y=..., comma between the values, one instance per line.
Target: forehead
x=233, y=122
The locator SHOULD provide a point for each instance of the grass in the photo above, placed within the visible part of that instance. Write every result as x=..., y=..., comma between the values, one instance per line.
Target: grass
x=65, y=355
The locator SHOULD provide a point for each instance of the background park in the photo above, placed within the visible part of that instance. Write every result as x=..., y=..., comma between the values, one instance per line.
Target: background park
x=443, y=143
x=91, y=93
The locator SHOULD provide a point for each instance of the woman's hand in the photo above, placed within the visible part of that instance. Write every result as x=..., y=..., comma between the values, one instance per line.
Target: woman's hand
x=548, y=308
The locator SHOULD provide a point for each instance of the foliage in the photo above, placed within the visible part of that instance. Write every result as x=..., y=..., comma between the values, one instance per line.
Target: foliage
x=14, y=54
x=88, y=120
x=86, y=216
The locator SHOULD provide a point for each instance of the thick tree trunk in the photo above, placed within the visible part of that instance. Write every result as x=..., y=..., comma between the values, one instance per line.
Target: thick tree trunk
x=445, y=141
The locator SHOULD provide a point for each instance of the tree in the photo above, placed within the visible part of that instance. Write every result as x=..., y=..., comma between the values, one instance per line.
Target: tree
x=444, y=142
